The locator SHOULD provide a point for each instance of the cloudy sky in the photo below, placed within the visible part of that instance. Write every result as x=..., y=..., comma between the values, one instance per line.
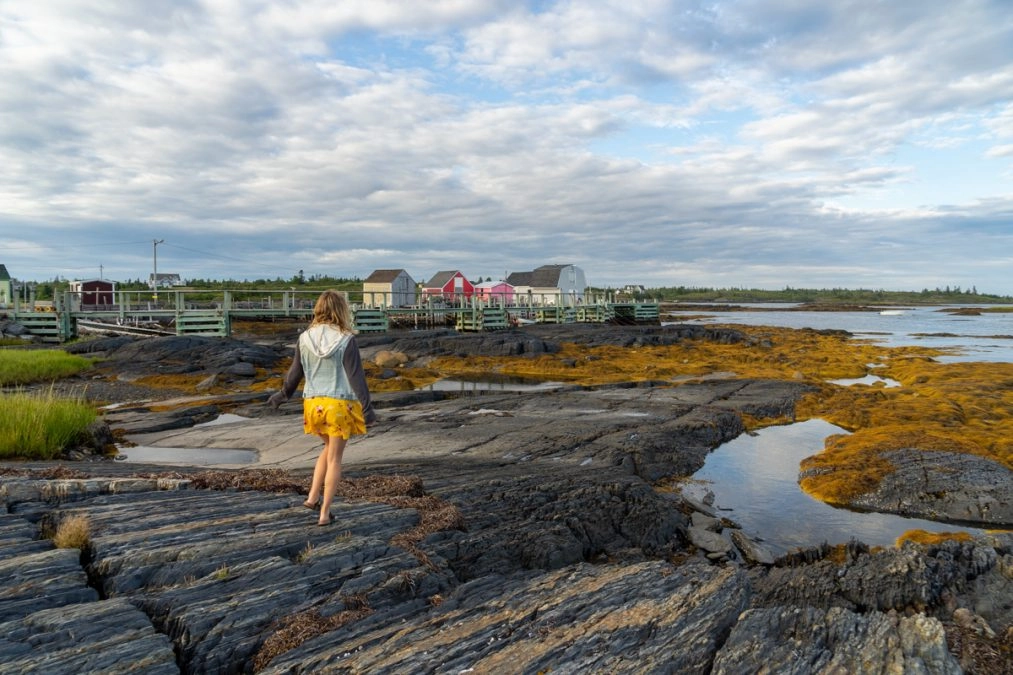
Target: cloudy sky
x=740, y=143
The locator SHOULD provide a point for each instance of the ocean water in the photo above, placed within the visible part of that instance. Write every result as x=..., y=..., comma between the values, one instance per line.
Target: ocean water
x=986, y=337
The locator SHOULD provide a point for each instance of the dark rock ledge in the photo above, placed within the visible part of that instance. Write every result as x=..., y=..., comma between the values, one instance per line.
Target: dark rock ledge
x=562, y=570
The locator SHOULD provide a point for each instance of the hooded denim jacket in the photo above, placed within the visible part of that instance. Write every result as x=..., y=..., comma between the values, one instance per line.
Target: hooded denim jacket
x=322, y=351
x=330, y=363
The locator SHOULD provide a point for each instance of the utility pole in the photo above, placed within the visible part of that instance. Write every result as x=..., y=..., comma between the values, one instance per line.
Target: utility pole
x=154, y=274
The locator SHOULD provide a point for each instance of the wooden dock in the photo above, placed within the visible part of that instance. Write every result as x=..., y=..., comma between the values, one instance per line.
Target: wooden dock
x=195, y=313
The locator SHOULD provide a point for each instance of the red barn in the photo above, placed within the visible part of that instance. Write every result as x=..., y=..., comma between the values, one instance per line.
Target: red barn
x=449, y=285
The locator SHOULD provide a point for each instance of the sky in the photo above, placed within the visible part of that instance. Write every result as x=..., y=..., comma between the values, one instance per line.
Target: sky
x=724, y=144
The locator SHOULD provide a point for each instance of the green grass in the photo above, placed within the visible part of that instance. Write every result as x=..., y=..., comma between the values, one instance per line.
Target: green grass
x=38, y=365
x=39, y=425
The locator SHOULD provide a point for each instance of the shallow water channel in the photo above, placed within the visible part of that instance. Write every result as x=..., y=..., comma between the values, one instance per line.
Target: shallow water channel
x=491, y=383
x=145, y=454
x=754, y=480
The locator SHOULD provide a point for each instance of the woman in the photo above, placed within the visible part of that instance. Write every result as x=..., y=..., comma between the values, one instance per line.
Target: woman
x=336, y=402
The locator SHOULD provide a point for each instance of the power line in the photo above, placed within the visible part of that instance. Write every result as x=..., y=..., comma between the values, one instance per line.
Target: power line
x=258, y=265
x=212, y=255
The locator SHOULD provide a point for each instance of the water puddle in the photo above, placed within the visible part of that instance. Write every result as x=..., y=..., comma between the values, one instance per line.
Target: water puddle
x=142, y=454
x=491, y=383
x=870, y=380
x=224, y=418
x=754, y=480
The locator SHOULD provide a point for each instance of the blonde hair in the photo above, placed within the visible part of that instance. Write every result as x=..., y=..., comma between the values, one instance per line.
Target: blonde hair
x=332, y=308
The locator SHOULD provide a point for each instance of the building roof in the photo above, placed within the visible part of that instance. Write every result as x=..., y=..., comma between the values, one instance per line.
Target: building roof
x=493, y=284
x=93, y=280
x=384, y=276
x=520, y=278
x=3, y=273
x=440, y=279
x=547, y=276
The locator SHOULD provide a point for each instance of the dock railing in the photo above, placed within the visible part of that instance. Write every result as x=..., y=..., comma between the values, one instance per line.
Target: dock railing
x=212, y=312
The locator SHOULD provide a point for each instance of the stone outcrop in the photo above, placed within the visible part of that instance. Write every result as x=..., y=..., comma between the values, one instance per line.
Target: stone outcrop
x=542, y=339
x=944, y=486
x=810, y=640
x=556, y=568
x=177, y=355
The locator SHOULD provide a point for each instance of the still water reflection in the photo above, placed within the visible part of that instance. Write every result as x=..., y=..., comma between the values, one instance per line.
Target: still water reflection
x=985, y=337
x=186, y=456
x=491, y=382
x=755, y=483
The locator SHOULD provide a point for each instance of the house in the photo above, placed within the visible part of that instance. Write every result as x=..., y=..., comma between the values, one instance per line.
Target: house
x=388, y=288
x=6, y=287
x=499, y=292
x=164, y=280
x=521, y=281
x=549, y=284
x=449, y=285
x=92, y=293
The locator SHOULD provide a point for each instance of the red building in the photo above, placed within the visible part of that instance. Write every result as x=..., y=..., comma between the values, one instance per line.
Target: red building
x=93, y=293
x=448, y=285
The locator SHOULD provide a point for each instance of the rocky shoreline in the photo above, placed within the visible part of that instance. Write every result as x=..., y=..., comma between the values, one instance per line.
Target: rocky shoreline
x=564, y=556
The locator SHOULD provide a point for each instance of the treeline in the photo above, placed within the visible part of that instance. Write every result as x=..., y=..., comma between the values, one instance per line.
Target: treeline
x=47, y=290
x=934, y=296
x=299, y=282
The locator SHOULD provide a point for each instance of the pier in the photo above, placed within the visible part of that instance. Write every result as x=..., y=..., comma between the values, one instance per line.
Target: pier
x=212, y=312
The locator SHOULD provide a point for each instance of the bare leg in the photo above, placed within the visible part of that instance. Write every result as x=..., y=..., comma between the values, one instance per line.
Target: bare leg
x=335, y=449
x=318, y=474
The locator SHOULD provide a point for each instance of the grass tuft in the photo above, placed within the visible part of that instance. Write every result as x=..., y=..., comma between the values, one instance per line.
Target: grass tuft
x=18, y=367
x=40, y=425
x=74, y=531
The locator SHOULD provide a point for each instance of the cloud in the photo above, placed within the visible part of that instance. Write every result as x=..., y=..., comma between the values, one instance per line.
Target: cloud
x=761, y=143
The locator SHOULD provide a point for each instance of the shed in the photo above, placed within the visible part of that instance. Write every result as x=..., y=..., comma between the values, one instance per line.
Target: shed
x=450, y=285
x=495, y=291
x=93, y=293
x=388, y=288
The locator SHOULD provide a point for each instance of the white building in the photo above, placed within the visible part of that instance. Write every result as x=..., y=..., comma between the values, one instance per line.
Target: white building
x=549, y=284
x=388, y=288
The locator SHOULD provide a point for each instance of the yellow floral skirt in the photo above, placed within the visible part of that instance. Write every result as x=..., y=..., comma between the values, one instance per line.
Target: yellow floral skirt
x=333, y=417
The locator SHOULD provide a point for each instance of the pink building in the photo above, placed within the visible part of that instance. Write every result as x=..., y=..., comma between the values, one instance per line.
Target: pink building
x=499, y=292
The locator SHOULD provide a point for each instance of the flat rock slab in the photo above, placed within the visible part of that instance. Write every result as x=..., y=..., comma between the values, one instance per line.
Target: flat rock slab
x=650, y=431
x=810, y=640
x=644, y=617
x=42, y=580
x=104, y=636
x=944, y=486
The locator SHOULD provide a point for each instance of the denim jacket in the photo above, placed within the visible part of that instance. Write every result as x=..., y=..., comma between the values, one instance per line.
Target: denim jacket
x=330, y=362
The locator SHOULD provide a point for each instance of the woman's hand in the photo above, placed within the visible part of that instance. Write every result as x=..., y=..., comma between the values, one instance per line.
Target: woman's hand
x=277, y=398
